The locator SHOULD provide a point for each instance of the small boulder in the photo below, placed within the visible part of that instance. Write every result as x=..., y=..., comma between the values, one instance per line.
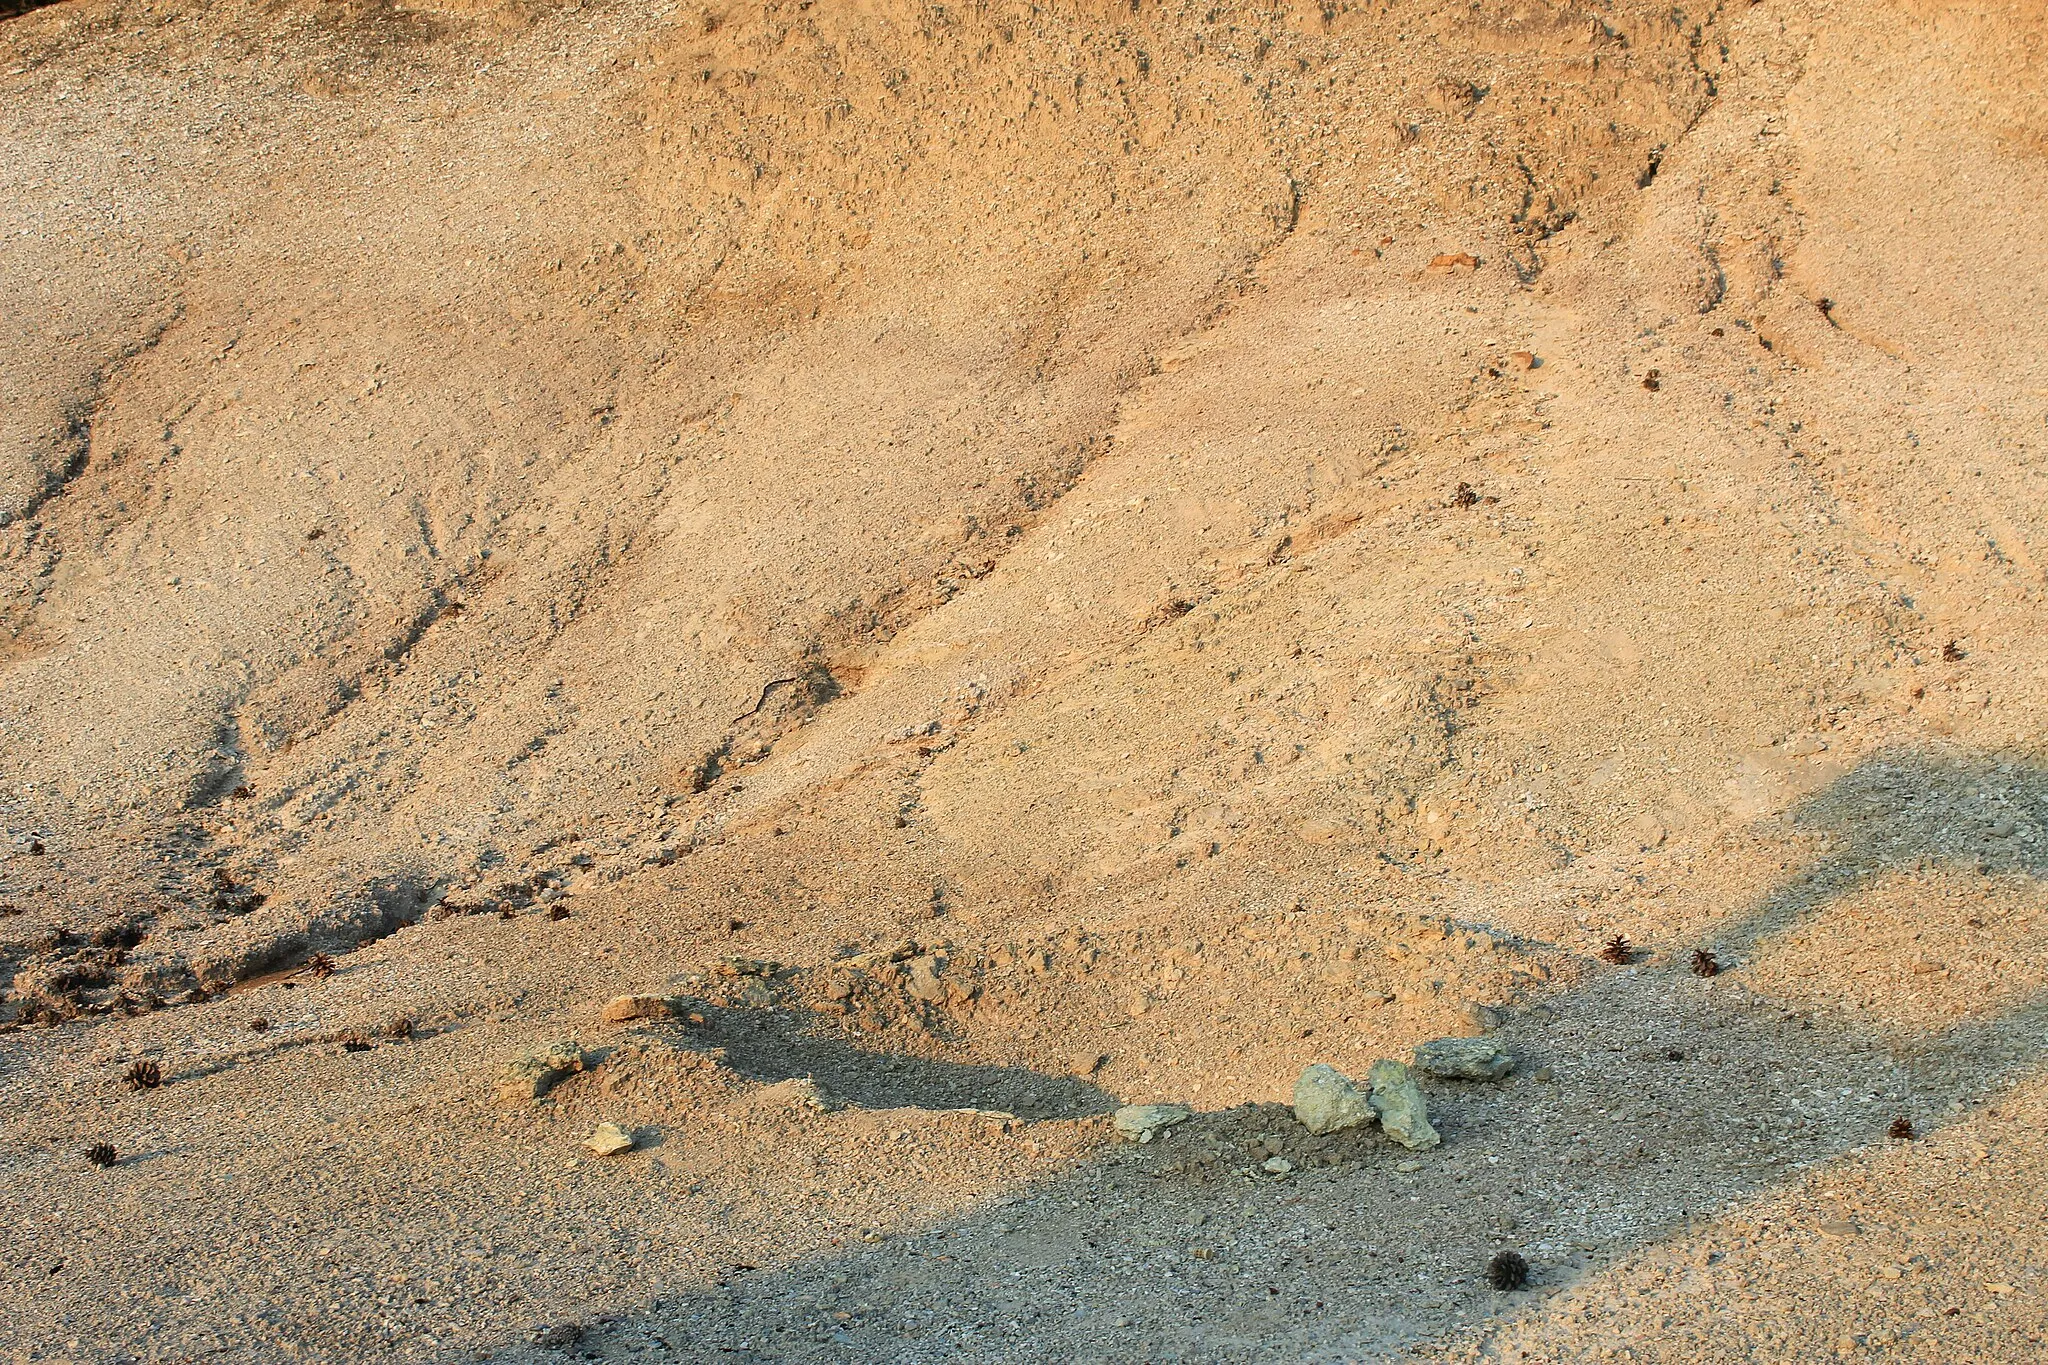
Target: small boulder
x=565, y=1055
x=1143, y=1122
x=1464, y=1059
x=532, y=1075
x=921, y=980
x=609, y=1139
x=1399, y=1103
x=624, y=1009
x=1326, y=1100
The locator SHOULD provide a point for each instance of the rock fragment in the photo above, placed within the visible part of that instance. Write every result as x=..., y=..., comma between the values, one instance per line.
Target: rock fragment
x=624, y=1009
x=1477, y=1018
x=532, y=1075
x=879, y=957
x=1326, y=1100
x=1143, y=1122
x=1464, y=1059
x=609, y=1139
x=921, y=980
x=1399, y=1103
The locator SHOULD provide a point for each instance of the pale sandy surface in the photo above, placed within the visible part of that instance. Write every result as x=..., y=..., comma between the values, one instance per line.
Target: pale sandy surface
x=783, y=480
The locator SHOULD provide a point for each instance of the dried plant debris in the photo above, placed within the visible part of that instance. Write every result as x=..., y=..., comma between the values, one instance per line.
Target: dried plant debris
x=1900, y=1129
x=1507, y=1271
x=1617, y=950
x=101, y=1154
x=32, y=1011
x=319, y=966
x=506, y=900
x=1704, y=963
x=233, y=897
x=143, y=1075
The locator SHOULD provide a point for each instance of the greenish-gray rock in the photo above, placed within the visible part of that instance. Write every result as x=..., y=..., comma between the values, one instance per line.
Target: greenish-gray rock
x=532, y=1075
x=1399, y=1103
x=1464, y=1059
x=1326, y=1100
x=1143, y=1122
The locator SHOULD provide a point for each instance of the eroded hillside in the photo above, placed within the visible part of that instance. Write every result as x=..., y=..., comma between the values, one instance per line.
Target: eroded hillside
x=1088, y=554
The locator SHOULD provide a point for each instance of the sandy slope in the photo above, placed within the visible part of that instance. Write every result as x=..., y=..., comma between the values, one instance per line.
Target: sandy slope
x=1249, y=535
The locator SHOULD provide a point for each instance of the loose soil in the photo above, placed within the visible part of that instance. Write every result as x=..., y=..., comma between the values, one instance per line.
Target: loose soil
x=1022, y=559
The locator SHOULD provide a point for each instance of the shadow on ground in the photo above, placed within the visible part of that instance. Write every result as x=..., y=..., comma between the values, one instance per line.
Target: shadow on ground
x=775, y=1045
x=1675, y=1098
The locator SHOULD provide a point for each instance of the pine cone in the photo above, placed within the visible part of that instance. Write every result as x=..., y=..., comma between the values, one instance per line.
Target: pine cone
x=1507, y=1271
